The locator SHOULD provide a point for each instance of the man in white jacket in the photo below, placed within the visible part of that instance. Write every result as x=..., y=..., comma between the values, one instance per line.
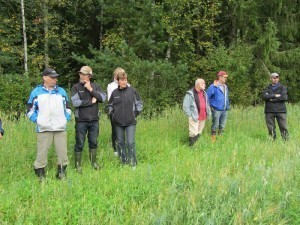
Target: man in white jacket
x=48, y=108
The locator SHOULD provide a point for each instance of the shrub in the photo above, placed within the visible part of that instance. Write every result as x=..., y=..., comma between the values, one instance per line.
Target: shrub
x=14, y=91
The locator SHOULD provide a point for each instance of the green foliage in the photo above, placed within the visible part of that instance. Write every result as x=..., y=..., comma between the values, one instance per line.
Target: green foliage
x=183, y=32
x=191, y=28
x=237, y=60
x=243, y=178
x=273, y=32
x=14, y=90
x=10, y=40
x=160, y=83
x=267, y=43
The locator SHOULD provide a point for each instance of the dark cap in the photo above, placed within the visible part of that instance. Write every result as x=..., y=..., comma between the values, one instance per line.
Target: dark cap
x=50, y=72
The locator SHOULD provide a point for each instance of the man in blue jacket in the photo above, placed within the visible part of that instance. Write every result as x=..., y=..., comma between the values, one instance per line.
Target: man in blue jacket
x=217, y=94
x=48, y=107
x=275, y=96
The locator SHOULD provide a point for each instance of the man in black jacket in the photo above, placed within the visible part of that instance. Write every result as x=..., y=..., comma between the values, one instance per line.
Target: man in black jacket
x=85, y=98
x=275, y=96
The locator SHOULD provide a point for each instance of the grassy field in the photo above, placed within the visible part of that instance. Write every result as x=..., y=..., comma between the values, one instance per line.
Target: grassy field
x=243, y=178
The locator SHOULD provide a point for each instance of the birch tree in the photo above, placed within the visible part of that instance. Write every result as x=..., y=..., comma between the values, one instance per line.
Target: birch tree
x=24, y=37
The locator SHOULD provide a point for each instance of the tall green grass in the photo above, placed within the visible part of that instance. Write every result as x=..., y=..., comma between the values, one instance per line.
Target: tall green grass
x=243, y=178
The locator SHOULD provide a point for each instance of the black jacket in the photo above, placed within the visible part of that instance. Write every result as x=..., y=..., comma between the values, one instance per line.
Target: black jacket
x=81, y=98
x=124, y=105
x=275, y=104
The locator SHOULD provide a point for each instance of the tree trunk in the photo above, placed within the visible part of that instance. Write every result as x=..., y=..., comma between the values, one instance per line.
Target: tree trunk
x=46, y=43
x=24, y=37
x=101, y=26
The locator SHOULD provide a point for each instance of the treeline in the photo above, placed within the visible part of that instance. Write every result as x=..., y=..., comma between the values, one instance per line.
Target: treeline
x=164, y=45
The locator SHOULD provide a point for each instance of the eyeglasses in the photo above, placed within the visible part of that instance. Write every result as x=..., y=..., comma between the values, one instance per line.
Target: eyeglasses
x=275, y=77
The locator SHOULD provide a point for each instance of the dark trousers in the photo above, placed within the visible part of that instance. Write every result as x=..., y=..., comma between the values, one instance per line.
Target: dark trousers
x=282, y=124
x=89, y=129
x=113, y=134
x=126, y=149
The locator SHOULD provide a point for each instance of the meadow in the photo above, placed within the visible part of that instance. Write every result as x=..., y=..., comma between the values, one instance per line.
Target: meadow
x=243, y=178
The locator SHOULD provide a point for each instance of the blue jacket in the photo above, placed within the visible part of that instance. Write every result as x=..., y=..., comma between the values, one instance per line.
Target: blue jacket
x=190, y=107
x=49, y=109
x=217, y=97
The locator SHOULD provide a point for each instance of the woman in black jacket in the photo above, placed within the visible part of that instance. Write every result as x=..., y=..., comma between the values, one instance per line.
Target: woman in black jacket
x=124, y=105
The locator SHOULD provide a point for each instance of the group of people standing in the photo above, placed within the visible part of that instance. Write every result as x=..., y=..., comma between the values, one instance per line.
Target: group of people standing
x=49, y=108
x=199, y=105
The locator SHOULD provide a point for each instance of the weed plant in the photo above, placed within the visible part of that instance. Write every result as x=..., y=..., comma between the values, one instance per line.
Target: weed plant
x=243, y=178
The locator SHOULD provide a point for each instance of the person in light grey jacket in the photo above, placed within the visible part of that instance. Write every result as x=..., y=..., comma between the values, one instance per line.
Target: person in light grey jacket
x=196, y=107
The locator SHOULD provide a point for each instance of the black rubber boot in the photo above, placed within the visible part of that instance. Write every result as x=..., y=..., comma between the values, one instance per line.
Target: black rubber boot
x=93, y=158
x=40, y=173
x=61, y=172
x=78, y=162
x=192, y=141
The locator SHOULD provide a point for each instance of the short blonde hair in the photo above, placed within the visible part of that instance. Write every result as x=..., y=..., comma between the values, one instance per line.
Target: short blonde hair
x=117, y=71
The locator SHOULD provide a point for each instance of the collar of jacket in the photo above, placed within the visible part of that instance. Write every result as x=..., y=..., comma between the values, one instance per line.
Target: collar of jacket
x=54, y=89
x=122, y=88
x=216, y=83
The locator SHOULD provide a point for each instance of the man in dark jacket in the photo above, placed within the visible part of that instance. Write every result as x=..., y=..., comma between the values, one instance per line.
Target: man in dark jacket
x=85, y=98
x=275, y=96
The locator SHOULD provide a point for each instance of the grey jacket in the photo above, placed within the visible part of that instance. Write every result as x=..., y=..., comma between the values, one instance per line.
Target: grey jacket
x=190, y=106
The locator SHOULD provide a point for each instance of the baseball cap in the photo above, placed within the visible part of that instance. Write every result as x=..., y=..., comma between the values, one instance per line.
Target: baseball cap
x=86, y=70
x=222, y=73
x=50, y=72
